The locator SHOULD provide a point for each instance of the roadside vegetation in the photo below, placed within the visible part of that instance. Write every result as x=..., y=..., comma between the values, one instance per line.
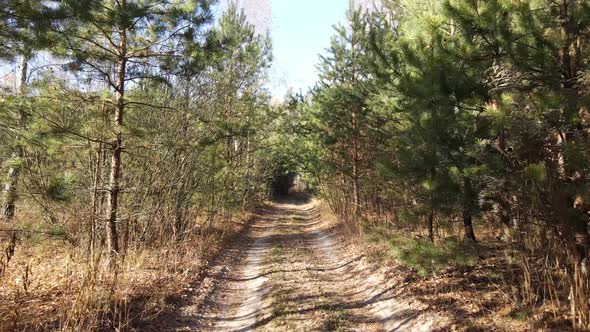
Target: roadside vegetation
x=422, y=255
x=456, y=135
x=135, y=139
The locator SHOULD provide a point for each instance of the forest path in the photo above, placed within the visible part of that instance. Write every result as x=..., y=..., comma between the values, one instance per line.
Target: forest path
x=290, y=273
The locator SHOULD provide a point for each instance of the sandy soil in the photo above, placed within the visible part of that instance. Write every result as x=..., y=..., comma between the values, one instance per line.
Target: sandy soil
x=292, y=271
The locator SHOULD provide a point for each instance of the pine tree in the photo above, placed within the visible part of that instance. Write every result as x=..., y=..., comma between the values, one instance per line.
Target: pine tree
x=120, y=41
x=534, y=53
x=341, y=100
x=240, y=62
x=23, y=31
x=436, y=101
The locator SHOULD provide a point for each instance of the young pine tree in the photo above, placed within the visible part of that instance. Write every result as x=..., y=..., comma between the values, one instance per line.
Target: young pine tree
x=341, y=103
x=120, y=41
x=24, y=30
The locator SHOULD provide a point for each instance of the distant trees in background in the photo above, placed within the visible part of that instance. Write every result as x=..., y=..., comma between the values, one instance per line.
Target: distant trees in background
x=467, y=112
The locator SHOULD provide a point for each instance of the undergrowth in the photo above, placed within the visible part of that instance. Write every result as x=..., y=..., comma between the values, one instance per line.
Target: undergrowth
x=423, y=256
x=52, y=283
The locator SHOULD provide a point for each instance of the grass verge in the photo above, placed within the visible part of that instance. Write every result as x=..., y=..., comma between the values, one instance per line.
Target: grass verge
x=53, y=284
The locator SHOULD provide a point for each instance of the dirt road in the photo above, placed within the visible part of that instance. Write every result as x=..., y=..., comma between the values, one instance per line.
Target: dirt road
x=291, y=272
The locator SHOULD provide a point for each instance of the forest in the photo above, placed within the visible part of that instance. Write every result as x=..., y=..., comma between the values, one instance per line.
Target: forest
x=439, y=169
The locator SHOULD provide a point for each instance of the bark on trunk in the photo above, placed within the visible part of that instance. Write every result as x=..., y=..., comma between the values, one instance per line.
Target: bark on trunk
x=355, y=161
x=355, y=136
x=468, y=225
x=96, y=194
x=468, y=207
x=9, y=193
x=505, y=215
x=431, y=226
x=504, y=203
x=10, y=187
x=117, y=147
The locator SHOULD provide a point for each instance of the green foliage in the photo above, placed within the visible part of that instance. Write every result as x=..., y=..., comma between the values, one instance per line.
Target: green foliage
x=198, y=121
x=24, y=27
x=536, y=172
x=423, y=256
x=408, y=217
x=60, y=188
x=460, y=108
x=521, y=313
x=14, y=163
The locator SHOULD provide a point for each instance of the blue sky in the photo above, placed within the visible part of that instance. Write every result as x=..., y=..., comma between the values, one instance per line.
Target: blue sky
x=300, y=31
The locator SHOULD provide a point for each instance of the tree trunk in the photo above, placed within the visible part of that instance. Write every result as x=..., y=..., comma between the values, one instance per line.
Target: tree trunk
x=505, y=215
x=117, y=147
x=179, y=225
x=10, y=187
x=431, y=226
x=355, y=175
x=503, y=202
x=432, y=204
x=247, y=175
x=96, y=194
x=355, y=132
x=468, y=225
x=343, y=202
x=581, y=255
x=9, y=193
x=468, y=207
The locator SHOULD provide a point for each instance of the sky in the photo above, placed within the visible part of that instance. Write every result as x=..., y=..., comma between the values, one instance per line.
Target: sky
x=300, y=30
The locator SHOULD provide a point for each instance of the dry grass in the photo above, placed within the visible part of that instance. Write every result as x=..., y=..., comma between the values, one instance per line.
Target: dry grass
x=474, y=297
x=53, y=285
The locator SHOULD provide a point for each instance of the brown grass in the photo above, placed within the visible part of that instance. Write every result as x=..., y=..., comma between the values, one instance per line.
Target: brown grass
x=473, y=298
x=53, y=285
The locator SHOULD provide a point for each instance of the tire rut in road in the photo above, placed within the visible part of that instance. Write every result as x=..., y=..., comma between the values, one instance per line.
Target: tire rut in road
x=310, y=291
x=252, y=284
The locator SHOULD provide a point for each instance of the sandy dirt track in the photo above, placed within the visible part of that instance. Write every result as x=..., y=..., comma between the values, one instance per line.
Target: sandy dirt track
x=292, y=272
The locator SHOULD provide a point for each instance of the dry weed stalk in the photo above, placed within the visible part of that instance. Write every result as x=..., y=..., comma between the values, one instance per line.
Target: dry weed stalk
x=8, y=253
